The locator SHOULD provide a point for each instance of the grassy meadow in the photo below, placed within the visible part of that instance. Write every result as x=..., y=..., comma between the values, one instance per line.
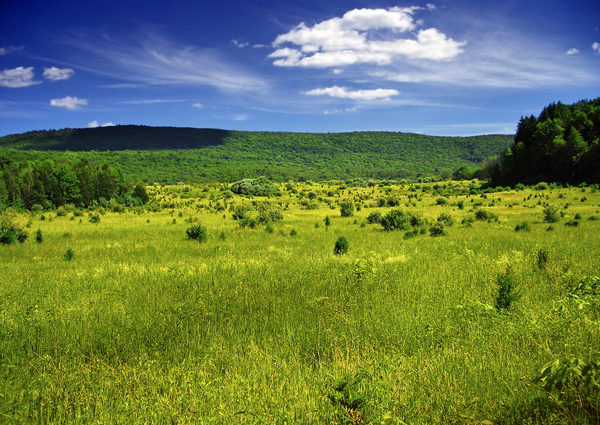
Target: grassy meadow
x=269, y=326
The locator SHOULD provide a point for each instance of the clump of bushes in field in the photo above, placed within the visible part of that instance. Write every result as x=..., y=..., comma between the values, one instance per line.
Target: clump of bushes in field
x=260, y=186
x=374, y=218
x=523, y=227
x=347, y=208
x=484, y=215
x=10, y=231
x=197, y=232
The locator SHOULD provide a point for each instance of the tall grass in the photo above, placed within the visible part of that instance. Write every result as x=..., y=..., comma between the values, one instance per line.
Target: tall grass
x=146, y=326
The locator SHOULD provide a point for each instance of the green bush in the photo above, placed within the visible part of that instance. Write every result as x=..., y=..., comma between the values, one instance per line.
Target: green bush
x=347, y=208
x=197, y=232
x=437, y=230
x=441, y=201
x=374, y=218
x=395, y=220
x=524, y=226
x=506, y=292
x=551, y=214
x=341, y=246
x=10, y=231
x=572, y=223
x=445, y=219
x=95, y=218
x=69, y=255
x=484, y=215
x=39, y=238
x=61, y=212
x=260, y=186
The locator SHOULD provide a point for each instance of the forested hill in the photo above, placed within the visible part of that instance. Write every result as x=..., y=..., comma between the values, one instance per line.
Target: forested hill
x=169, y=154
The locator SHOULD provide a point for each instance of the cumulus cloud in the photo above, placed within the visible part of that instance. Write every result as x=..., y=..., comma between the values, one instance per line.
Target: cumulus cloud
x=71, y=103
x=344, y=93
x=56, y=74
x=596, y=47
x=363, y=36
x=572, y=51
x=18, y=77
x=95, y=124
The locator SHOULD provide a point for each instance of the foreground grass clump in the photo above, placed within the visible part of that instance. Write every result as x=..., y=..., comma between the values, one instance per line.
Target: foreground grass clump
x=270, y=326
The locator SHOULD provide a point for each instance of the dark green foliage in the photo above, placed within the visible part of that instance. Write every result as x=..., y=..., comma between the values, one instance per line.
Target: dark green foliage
x=260, y=186
x=441, y=201
x=10, y=231
x=139, y=191
x=347, y=208
x=411, y=233
x=327, y=221
x=523, y=226
x=506, y=292
x=248, y=222
x=416, y=219
x=484, y=215
x=572, y=223
x=268, y=213
x=551, y=214
x=395, y=220
x=241, y=211
x=437, y=229
x=341, y=246
x=594, y=218
x=197, y=232
x=374, y=218
x=349, y=397
x=293, y=233
x=95, y=218
x=39, y=238
x=69, y=255
x=561, y=144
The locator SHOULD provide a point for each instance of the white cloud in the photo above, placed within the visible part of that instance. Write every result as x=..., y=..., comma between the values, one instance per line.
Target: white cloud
x=337, y=71
x=239, y=44
x=596, y=47
x=362, y=36
x=431, y=6
x=10, y=49
x=55, y=74
x=344, y=93
x=71, y=103
x=95, y=124
x=240, y=117
x=572, y=51
x=151, y=59
x=198, y=105
x=18, y=77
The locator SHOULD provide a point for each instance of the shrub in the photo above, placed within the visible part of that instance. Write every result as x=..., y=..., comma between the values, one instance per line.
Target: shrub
x=61, y=212
x=249, y=222
x=39, y=238
x=506, y=292
x=395, y=220
x=416, y=219
x=268, y=213
x=37, y=208
x=437, y=230
x=524, y=226
x=347, y=208
x=541, y=257
x=551, y=214
x=441, y=201
x=241, y=211
x=197, y=232
x=485, y=215
x=445, y=219
x=411, y=233
x=374, y=218
x=260, y=186
x=542, y=186
x=77, y=212
x=572, y=223
x=10, y=231
x=327, y=221
x=293, y=233
x=69, y=255
x=341, y=246
x=95, y=218
x=593, y=218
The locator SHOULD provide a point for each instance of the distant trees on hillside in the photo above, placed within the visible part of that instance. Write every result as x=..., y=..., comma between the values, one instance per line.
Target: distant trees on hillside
x=560, y=145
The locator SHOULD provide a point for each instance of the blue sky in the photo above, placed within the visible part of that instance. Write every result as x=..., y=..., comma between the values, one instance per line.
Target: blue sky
x=440, y=68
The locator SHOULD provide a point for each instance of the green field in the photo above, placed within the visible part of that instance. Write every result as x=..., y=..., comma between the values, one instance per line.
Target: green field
x=267, y=325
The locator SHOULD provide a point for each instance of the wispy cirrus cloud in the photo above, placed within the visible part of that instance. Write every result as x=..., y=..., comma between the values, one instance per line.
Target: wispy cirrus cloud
x=363, y=36
x=17, y=77
x=150, y=101
x=68, y=102
x=9, y=49
x=344, y=93
x=151, y=59
x=56, y=74
x=572, y=51
x=596, y=47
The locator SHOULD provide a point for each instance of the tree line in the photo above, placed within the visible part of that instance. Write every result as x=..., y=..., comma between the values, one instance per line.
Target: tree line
x=560, y=145
x=50, y=184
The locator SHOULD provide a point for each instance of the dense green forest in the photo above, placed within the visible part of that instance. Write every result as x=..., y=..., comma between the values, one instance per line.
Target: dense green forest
x=560, y=145
x=170, y=155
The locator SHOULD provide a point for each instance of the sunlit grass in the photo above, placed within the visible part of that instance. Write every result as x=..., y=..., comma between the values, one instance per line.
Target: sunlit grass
x=145, y=326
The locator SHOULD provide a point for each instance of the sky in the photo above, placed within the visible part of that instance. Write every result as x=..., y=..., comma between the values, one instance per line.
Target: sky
x=446, y=68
